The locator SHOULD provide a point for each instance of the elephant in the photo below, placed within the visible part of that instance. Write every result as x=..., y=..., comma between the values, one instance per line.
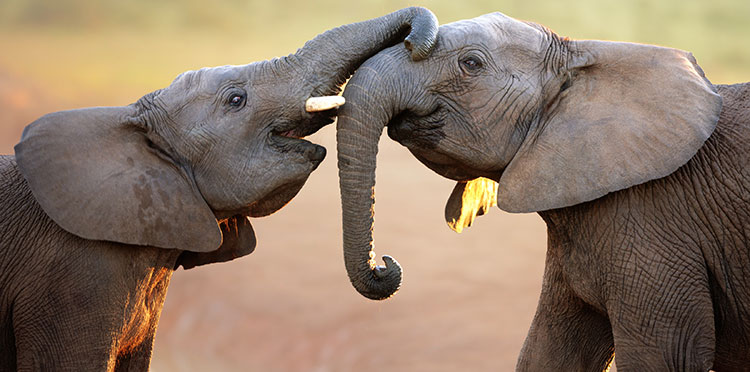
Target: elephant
x=101, y=205
x=635, y=161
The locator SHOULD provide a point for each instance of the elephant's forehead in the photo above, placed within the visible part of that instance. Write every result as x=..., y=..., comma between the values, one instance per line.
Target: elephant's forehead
x=492, y=30
x=209, y=79
x=206, y=82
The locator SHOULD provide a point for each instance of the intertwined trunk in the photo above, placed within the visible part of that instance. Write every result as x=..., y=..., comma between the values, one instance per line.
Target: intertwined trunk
x=335, y=54
x=370, y=106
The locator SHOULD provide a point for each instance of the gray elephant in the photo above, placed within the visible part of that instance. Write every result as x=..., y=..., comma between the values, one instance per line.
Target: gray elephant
x=635, y=161
x=101, y=205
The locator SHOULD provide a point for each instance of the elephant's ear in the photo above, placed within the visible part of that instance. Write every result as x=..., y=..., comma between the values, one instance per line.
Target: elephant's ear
x=631, y=113
x=97, y=175
x=468, y=200
x=238, y=240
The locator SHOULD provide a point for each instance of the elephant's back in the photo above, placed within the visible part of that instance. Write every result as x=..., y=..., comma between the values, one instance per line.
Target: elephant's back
x=21, y=220
x=736, y=103
x=18, y=208
x=731, y=138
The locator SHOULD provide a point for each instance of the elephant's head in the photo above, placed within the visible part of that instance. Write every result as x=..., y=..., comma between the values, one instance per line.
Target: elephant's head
x=184, y=166
x=555, y=122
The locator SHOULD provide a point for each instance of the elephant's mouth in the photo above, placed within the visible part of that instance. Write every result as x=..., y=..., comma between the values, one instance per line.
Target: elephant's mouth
x=422, y=134
x=307, y=127
x=418, y=131
x=288, y=138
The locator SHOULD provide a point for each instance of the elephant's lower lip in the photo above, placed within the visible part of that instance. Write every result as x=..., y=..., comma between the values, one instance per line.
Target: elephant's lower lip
x=313, y=152
x=317, y=154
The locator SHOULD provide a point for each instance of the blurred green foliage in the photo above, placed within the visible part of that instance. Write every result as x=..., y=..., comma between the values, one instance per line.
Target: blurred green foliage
x=139, y=45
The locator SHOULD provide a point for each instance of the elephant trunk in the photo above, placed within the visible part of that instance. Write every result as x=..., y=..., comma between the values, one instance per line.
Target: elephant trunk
x=360, y=124
x=336, y=53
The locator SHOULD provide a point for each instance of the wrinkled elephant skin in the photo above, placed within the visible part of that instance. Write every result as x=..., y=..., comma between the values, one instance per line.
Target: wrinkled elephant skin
x=636, y=162
x=100, y=205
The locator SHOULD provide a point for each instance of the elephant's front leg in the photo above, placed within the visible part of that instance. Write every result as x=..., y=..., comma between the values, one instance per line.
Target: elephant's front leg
x=63, y=331
x=137, y=358
x=661, y=311
x=567, y=334
x=134, y=352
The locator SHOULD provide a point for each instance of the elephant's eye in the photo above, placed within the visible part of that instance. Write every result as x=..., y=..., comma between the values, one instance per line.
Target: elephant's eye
x=471, y=63
x=236, y=100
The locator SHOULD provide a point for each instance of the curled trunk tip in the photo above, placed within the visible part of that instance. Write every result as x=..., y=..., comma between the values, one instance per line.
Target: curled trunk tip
x=421, y=43
x=380, y=282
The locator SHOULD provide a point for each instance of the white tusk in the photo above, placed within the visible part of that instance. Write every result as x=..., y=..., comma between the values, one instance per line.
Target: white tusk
x=315, y=104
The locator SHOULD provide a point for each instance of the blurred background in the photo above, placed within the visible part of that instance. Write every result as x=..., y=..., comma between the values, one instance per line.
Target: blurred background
x=467, y=300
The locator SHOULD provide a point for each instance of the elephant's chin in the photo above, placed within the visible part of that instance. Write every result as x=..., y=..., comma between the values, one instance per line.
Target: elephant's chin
x=453, y=170
x=274, y=201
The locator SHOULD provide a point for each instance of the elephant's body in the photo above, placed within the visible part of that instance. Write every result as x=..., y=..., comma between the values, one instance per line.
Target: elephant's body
x=68, y=303
x=636, y=162
x=663, y=263
x=100, y=205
